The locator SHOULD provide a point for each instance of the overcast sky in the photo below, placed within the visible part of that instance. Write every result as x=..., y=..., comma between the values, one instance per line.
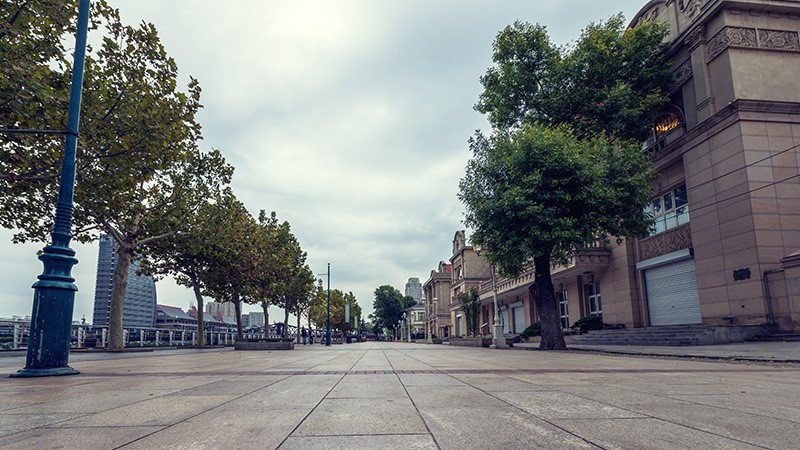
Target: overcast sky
x=349, y=118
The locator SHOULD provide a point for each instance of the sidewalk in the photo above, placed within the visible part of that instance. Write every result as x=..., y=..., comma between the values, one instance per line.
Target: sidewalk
x=392, y=395
x=787, y=352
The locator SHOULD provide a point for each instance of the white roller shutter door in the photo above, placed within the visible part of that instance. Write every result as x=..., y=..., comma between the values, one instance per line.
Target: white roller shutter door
x=672, y=295
x=519, y=319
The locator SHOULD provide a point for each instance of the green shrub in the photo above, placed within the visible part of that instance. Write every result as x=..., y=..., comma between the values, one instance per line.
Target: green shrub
x=534, y=329
x=589, y=323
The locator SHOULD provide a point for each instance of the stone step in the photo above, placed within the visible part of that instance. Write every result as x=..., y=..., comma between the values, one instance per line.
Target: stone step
x=777, y=338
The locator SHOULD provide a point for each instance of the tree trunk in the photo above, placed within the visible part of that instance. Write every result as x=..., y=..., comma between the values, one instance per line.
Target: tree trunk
x=265, y=307
x=237, y=306
x=201, y=340
x=545, y=300
x=297, y=338
x=285, y=321
x=116, y=332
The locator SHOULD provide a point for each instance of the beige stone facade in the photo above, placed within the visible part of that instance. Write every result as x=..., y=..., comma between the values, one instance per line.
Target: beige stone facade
x=727, y=199
x=436, y=295
x=469, y=270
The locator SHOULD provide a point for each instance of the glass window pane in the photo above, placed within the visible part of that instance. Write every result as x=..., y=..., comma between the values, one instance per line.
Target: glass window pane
x=667, y=201
x=671, y=220
x=660, y=225
x=683, y=215
x=680, y=196
x=657, y=207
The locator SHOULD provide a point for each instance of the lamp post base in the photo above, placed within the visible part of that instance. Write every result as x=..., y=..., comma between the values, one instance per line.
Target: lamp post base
x=498, y=340
x=46, y=372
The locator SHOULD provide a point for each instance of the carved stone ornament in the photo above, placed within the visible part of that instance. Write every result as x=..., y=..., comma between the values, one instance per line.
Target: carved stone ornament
x=691, y=8
x=649, y=16
x=696, y=37
x=777, y=39
x=731, y=37
x=682, y=74
x=665, y=243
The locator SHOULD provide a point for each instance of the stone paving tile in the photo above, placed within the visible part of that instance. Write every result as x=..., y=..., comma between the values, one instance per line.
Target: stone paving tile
x=229, y=426
x=165, y=410
x=450, y=396
x=500, y=428
x=761, y=403
x=99, y=438
x=13, y=422
x=410, y=380
x=405, y=441
x=557, y=405
x=753, y=428
x=646, y=433
x=231, y=387
x=369, y=386
x=343, y=416
x=498, y=383
x=94, y=402
x=298, y=392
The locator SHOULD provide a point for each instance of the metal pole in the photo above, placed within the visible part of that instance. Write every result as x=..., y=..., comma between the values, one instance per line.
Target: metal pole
x=498, y=340
x=54, y=293
x=328, y=329
x=429, y=308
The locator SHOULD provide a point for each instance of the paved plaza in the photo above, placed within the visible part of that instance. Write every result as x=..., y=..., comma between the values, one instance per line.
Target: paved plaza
x=398, y=395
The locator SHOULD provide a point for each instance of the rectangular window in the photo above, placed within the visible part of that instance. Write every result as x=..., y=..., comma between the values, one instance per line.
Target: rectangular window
x=563, y=308
x=669, y=210
x=595, y=302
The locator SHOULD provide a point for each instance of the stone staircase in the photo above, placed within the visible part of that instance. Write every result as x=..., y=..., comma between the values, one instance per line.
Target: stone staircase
x=682, y=335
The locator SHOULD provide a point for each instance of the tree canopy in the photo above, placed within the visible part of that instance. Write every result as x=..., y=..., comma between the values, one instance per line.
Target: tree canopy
x=612, y=80
x=389, y=305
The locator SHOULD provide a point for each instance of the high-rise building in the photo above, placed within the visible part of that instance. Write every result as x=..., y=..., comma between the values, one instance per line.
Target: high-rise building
x=414, y=288
x=139, y=309
x=256, y=318
x=228, y=309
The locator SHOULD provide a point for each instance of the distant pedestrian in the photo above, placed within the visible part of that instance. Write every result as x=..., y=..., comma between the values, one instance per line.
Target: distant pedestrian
x=304, y=334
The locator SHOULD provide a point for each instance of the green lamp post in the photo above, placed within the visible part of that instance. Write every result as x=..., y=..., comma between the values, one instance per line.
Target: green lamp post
x=54, y=293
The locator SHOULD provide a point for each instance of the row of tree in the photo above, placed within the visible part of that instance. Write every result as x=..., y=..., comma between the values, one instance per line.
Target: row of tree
x=142, y=177
x=564, y=162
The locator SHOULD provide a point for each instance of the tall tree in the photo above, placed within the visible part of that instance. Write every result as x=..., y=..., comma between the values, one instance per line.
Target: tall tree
x=544, y=194
x=561, y=168
x=188, y=256
x=233, y=267
x=272, y=271
x=389, y=305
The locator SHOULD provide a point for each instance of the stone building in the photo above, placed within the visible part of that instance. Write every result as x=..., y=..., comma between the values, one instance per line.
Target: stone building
x=469, y=270
x=436, y=294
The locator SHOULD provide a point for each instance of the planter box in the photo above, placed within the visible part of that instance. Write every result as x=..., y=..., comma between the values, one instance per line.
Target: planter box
x=263, y=344
x=471, y=342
